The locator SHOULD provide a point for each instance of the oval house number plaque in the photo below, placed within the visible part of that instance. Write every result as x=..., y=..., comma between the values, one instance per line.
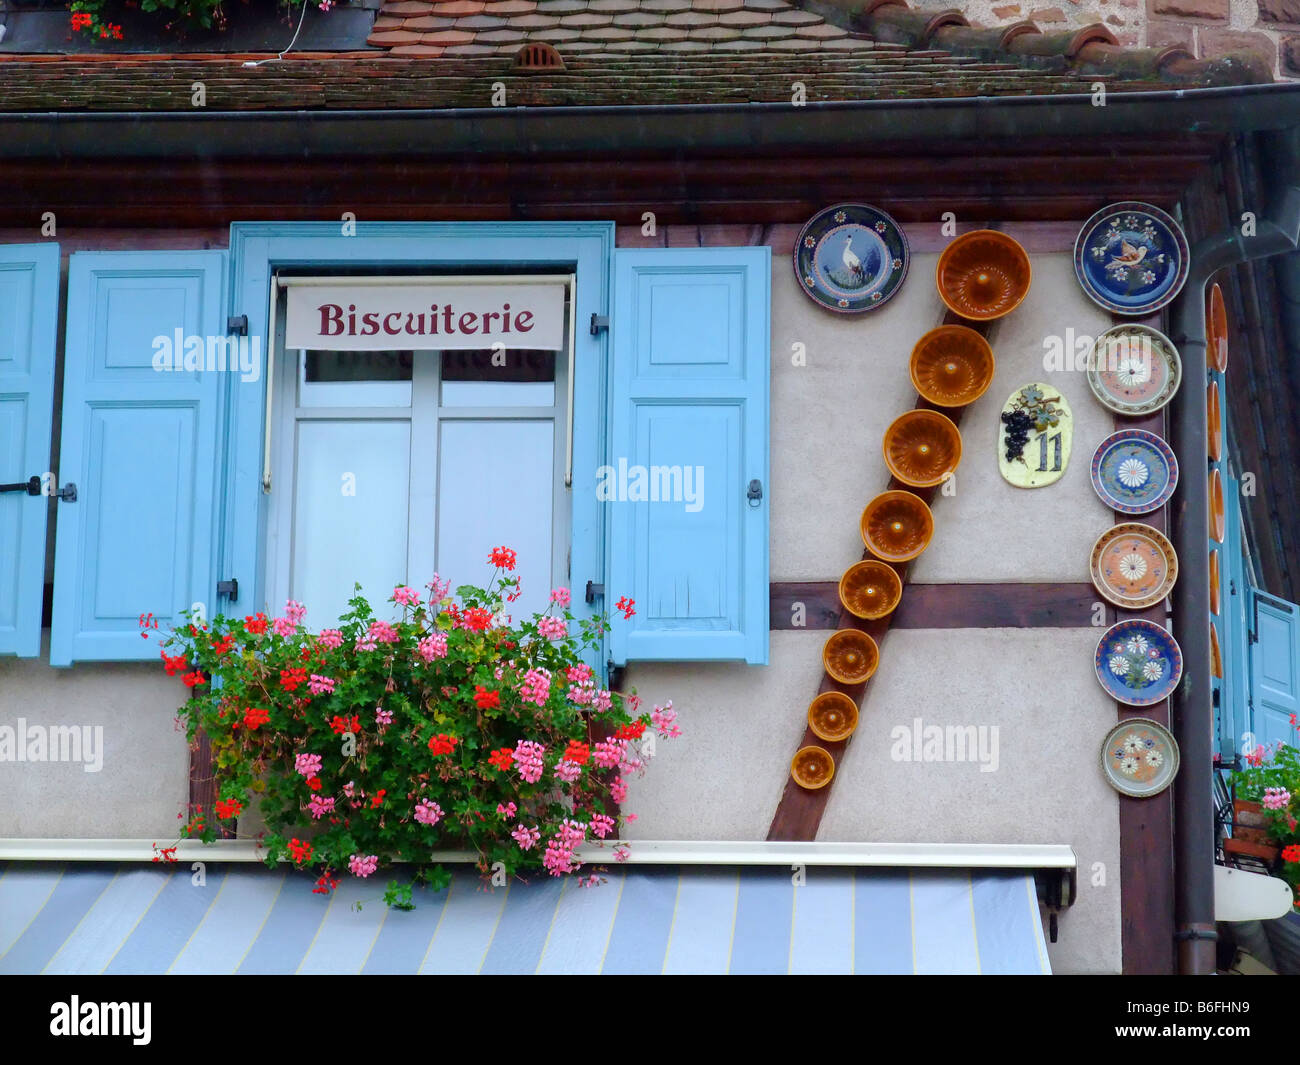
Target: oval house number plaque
x=1035, y=433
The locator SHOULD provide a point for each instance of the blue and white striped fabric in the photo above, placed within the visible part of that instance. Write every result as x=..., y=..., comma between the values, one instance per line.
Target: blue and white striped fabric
x=94, y=918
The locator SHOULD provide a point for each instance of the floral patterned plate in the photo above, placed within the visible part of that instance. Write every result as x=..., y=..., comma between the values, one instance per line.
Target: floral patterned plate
x=1134, y=472
x=851, y=258
x=1134, y=565
x=1138, y=662
x=1139, y=757
x=1134, y=369
x=1131, y=258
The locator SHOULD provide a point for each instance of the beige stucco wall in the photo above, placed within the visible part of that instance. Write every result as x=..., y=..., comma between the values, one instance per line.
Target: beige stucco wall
x=724, y=778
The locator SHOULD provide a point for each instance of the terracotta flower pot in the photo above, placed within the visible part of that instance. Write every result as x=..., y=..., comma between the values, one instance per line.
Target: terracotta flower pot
x=897, y=526
x=1249, y=822
x=850, y=656
x=952, y=366
x=983, y=275
x=812, y=767
x=833, y=716
x=922, y=447
x=1214, y=419
x=870, y=589
x=1216, y=330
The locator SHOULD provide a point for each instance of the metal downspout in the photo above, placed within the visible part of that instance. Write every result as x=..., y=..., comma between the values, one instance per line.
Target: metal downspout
x=1193, y=716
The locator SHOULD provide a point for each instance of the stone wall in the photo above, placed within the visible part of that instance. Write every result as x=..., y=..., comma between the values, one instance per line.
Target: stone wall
x=1206, y=28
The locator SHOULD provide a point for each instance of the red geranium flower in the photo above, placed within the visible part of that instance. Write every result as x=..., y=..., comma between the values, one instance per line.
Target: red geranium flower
x=174, y=663
x=194, y=679
x=502, y=759
x=325, y=884
x=626, y=605
x=80, y=19
x=377, y=800
x=1291, y=853
x=313, y=783
x=503, y=558
x=579, y=752
x=484, y=699
x=229, y=808
x=341, y=725
x=300, y=849
x=442, y=744
x=633, y=731
x=256, y=624
x=290, y=679
x=223, y=645
x=255, y=716
x=477, y=619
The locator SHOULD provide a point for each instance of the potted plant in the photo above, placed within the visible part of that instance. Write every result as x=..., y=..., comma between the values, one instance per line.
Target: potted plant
x=450, y=726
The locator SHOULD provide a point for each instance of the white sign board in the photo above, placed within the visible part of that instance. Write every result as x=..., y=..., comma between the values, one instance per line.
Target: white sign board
x=426, y=316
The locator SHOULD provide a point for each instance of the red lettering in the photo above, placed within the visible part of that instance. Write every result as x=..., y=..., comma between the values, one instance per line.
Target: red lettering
x=524, y=321
x=487, y=320
x=331, y=319
x=446, y=320
x=369, y=325
x=390, y=329
x=472, y=317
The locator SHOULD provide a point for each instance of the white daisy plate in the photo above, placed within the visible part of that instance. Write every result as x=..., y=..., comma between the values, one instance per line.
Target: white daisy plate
x=1139, y=757
x=1134, y=472
x=1134, y=370
x=1133, y=565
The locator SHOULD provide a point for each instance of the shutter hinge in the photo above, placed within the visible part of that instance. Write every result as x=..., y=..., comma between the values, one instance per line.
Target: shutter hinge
x=615, y=674
x=32, y=486
x=594, y=590
x=599, y=322
x=237, y=325
x=68, y=493
x=229, y=589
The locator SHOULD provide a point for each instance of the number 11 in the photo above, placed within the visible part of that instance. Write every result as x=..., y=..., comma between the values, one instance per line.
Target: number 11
x=1042, y=452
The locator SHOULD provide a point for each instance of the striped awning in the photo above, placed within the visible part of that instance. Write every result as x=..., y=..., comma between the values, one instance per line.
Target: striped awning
x=129, y=918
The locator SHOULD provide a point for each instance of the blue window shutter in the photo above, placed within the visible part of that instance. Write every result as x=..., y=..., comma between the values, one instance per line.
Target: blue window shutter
x=689, y=382
x=142, y=446
x=29, y=322
x=1275, y=666
x=1233, y=629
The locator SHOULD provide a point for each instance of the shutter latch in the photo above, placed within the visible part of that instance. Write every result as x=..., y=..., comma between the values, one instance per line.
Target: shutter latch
x=599, y=322
x=32, y=486
x=229, y=589
x=237, y=325
x=594, y=590
x=68, y=493
x=755, y=492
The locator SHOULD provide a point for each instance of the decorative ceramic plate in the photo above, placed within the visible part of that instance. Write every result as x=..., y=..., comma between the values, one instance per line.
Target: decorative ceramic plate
x=1131, y=258
x=1138, y=662
x=1218, y=523
x=1134, y=565
x=1035, y=438
x=1139, y=757
x=1134, y=369
x=1214, y=581
x=1216, y=657
x=851, y=258
x=1134, y=472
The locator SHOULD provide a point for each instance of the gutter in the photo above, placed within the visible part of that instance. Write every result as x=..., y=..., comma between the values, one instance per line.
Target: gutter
x=756, y=128
x=1277, y=232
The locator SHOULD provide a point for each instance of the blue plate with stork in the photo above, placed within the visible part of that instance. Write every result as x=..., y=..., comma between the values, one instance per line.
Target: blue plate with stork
x=1131, y=258
x=851, y=258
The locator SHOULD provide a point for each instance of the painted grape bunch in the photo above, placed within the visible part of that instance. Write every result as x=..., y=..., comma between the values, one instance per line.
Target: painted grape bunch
x=1032, y=410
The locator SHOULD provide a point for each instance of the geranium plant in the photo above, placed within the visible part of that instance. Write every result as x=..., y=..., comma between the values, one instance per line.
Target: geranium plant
x=1271, y=777
x=94, y=18
x=383, y=741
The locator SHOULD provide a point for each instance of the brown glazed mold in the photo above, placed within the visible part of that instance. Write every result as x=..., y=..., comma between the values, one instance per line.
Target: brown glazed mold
x=983, y=275
x=952, y=366
x=896, y=526
x=1216, y=330
x=850, y=657
x=1216, y=656
x=812, y=767
x=833, y=716
x=922, y=447
x=870, y=589
x=1218, y=525
x=1214, y=421
x=1214, y=582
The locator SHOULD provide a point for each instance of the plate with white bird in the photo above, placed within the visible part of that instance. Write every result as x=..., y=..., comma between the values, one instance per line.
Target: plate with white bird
x=1131, y=258
x=851, y=258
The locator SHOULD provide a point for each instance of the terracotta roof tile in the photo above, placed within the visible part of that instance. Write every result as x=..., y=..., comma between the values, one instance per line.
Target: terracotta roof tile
x=637, y=19
x=767, y=5
x=747, y=18
x=586, y=19
x=560, y=7
x=717, y=6
x=506, y=36
x=715, y=33
x=795, y=17
x=481, y=22
x=579, y=46
x=393, y=37
x=406, y=7
x=509, y=7
x=555, y=36
x=447, y=37
x=692, y=18
x=460, y=7
x=428, y=22
x=424, y=51
x=666, y=6
x=684, y=46
x=387, y=22
x=609, y=33
x=771, y=32
x=633, y=46
x=822, y=29
x=469, y=50
x=535, y=21
x=613, y=6
x=739, y=45
x=661, y=33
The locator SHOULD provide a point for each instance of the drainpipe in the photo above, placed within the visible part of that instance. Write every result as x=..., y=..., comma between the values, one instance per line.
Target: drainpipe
x=1277, y=232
